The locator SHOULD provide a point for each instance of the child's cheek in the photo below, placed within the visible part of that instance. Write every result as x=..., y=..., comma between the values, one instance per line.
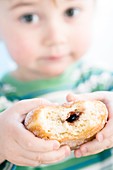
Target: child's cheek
x=81, y=44
x=21, y=50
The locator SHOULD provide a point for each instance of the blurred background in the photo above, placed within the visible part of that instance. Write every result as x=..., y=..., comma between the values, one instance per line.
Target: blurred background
x=101, y=52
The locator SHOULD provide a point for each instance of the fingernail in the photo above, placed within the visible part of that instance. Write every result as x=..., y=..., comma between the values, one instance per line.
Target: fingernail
x=100, y=137
x=84, y=150
x=67, y=151
x=78, y=154
x=56, y=145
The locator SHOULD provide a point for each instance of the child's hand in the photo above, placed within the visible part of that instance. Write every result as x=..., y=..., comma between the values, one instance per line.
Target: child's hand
x=21, y=147
x=104, y=139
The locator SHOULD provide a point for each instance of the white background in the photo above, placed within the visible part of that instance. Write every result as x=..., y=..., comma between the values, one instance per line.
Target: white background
x=101, y=52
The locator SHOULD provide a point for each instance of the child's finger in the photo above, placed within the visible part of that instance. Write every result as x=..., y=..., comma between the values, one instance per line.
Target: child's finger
x=71, y=97
x=29, y=142
x=28, y=158
x=89, y=148
x=77, y=97
x=94, y=147
x=25, y=106
x=55, y=156
x=49, y=157
x=87, y=96
x=22, y=161
x=17, y=155
x=105, y=132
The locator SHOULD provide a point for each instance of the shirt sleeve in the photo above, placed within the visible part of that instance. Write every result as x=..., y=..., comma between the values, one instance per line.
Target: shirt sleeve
x=95, y=79
x=7, y=166
x=4, y=103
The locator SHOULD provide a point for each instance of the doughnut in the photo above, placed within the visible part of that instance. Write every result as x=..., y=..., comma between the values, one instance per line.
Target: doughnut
x=72, y=124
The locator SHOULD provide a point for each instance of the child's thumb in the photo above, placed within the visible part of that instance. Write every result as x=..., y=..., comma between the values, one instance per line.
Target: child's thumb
x=24, y=106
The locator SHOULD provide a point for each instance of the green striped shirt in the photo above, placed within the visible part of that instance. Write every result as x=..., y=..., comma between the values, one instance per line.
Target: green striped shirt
x=79, y=78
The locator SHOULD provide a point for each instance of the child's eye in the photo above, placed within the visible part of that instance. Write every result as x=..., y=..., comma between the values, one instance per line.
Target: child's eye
x=30, y=18
x=71, y=12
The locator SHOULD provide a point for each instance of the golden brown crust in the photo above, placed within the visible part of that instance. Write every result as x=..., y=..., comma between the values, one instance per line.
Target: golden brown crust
x=72, y=124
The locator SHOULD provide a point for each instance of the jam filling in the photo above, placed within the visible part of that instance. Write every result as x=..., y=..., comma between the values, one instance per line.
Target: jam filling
x=74, y=116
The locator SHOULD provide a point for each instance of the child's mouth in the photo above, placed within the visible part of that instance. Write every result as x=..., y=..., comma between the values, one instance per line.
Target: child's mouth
x=54, y=58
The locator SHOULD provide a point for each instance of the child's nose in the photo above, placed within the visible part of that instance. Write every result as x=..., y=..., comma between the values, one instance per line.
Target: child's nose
x=55, y=34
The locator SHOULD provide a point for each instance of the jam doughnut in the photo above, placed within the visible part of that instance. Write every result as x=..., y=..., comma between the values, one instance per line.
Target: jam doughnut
x=72, y=124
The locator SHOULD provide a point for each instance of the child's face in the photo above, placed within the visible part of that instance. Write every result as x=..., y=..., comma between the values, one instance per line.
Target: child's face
x=45, y=37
